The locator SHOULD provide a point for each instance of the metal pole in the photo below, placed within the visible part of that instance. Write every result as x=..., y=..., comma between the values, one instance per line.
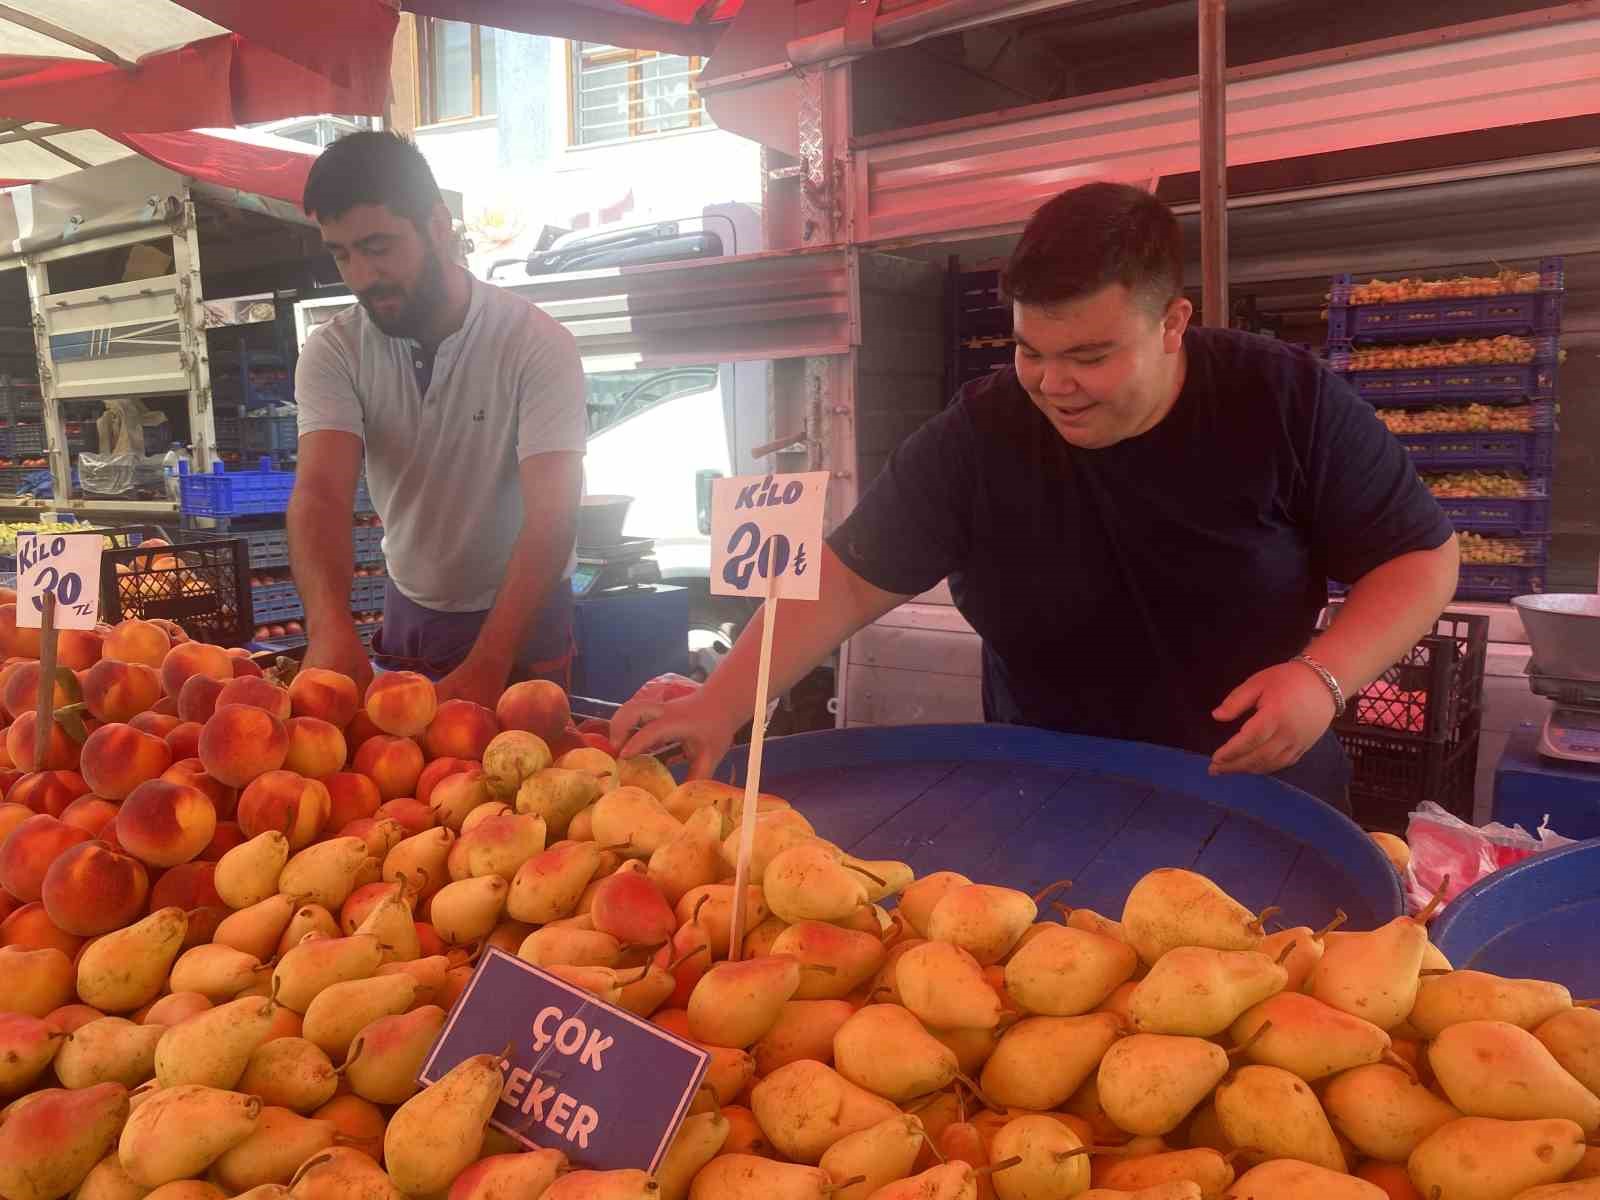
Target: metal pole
x=1214, y=162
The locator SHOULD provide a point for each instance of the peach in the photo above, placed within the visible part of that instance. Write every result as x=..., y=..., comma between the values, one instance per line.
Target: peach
x=90, y=813
x=62, y=754
x=316, y=747
x=30, y=849
x=327, y=695
x=393, y=763
x=167, y=706
x=192, y=771
x=136, y=641
x=244, y=668
x=187, y=886
x=10, y=776
x=188, y=659
x=163, y=824
x=460, y=729
x=535, y=705
x=203, y=925
x=352, y=797
x=36, y=982
x=78, y=649
x=48, y=791
x=154, y=723
x=12, y=815
x=30, y=928
x=437, y=771
x=5, y=755
x=227, y=836
x=428, y=938
x=21, y=694
x=184, y=741
x=16, y=642
x=120, y=691
x=360, y=730
x=258, y=692
x=416, y=816
x=197, y=700
x=402, y=703
x=568, y=740
x=175, y=632
x=295, y=806
x=118, y=758
x=91, y=889
x=242, y=742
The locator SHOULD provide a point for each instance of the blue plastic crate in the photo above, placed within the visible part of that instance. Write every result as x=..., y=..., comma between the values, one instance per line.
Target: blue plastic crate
x=1499, y=583
x=1433, y=385
x=234, y=493
x=268, y=547
x=1552, y=278
x=277, y=602
x=268, y=435
x=1536, y=313
x=27, y=439
x=366, y=595
x=1534, y=453
x=1527, y=514
x=363, y=497
x=368, y=544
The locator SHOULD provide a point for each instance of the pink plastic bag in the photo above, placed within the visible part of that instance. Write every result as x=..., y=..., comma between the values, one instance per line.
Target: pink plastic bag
x=1442, y=844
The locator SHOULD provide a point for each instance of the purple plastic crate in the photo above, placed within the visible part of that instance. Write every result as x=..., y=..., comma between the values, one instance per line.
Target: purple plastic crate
x=1499, y=583
x=1527, y=514
x=1537, y=313
x=1534, y=453
x=1552, y=278
x=1433, y=385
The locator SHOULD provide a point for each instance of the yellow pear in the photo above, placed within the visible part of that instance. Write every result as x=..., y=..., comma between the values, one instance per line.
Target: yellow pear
x=1299, y=950
x=290, y=1072
x=511, y=757
x=775, y=833
x=1065, y=972
x=863, y=1162
x=736, y=1003
x=423, y=857
x=496, y=846
x=1150, y=1083
x=431, y=975
x=808, y=882
x=945, y=987
x=1573, y=1037
x=214, y=1047
x=984, y=921
x=128, y=968
x=1198, y=992
x=805, y=1107
x=840, y=960
x=1374, y=975
x=1090, y=921
x=1171, y=907
x=1041, y=1061
x=342, y=1173
x=388, y=1053
x=342, y=1010
x=319, y=963
x=258, y=928
x=548, y=886
x=37, y=982
x=691, y=859
x=556, y=795
x=307, y=919
x=248, y=874
x=217, y=972
x=436, y=1134
x=515, y=1176
x=634, y=821
x=279, y=1143
x=972, y=1047
x=51, y=1139
x=1208, y=1171
x=1497, y=1069
x=393, y=923
x=325, y=873
x=1384, y=1112
x=1301, y=1034
x=1053, y=1162
x=27, y=1047
x=885, y=1049
x=555, y=945
x=699, y=1139
x=1276, y=1113
x=1479, y=1158
x=920, y=898
x=107, y=1180
x=1445, y=1000
x=469, y=909
x=180, y=1131
x=1286, y=1179
x=953, y=1180
x=804, y=1029
x=715, y=915
x=732, y=1176
x=110, y=1050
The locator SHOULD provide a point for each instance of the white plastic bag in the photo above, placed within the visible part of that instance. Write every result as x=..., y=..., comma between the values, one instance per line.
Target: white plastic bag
x=1442, y=844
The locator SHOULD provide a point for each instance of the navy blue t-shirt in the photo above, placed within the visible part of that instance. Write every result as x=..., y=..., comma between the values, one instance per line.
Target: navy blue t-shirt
x=1124, y=592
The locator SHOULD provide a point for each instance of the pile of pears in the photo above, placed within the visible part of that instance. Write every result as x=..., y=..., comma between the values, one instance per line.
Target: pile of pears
x=878, y=1037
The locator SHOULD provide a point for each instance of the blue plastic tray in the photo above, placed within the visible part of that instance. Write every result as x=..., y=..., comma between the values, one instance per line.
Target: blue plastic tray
x=1024, y=807
x=1537, y=920
x=1533, y=453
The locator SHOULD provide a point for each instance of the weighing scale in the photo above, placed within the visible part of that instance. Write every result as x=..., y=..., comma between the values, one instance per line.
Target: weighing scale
x=628, y=563
x=1564, y=632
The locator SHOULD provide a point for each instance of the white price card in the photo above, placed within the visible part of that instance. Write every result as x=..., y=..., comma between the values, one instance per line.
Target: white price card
x=767, y=529
x=66, y=565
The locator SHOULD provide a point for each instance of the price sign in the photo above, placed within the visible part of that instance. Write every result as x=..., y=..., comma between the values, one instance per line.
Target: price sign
x=767, y=529
x=66, y=565
x=606, y=1088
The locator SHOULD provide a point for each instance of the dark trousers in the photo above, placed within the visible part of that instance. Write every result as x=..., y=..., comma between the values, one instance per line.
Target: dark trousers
x=414, y=638
x=1324, y=771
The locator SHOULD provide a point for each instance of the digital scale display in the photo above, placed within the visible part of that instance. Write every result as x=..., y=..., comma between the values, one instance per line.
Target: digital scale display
x=583, y=579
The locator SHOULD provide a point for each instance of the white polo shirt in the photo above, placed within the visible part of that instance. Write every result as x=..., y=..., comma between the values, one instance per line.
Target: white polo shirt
x=442, y=467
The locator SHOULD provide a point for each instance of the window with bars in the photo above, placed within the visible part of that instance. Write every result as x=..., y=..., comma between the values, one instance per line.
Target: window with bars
x=456, y=62
x=620, y=94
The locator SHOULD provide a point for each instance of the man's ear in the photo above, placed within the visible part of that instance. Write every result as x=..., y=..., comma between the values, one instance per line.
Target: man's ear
x=441, y=225
x=1173, y=325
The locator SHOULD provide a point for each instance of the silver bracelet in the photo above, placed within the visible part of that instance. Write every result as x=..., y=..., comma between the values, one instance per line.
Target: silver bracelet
x=1328, y=681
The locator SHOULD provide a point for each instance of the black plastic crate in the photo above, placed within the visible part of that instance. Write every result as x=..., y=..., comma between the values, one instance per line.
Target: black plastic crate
x=1434, y=693
x=203, y=585
x=268, y=435
x=1392, y=773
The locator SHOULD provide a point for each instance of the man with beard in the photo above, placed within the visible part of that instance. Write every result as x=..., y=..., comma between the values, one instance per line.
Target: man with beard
x=467, y=404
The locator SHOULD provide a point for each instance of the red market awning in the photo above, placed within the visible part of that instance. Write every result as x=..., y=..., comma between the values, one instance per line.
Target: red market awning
x=156, y=66
x=676, y=26
x=229, y=159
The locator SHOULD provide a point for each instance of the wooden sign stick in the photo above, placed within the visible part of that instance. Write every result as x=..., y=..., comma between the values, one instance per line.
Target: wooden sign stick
x=47, y=683
x=752, y=782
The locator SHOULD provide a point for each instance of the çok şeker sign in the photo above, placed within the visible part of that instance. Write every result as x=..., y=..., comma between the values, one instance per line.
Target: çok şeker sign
x=606, y=1088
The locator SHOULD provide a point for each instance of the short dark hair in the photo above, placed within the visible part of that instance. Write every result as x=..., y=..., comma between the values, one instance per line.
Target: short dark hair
x=372, y=168
x=1094, y=236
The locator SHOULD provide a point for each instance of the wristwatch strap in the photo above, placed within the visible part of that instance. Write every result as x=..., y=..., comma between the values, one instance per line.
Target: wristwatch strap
x=1328, y=681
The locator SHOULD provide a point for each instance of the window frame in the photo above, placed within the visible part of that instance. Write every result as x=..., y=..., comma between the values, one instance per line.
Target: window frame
x=427, y=94
x=576, y=57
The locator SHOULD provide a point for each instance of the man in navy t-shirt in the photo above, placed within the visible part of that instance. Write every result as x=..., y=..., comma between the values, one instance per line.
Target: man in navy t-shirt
x=1139, y=518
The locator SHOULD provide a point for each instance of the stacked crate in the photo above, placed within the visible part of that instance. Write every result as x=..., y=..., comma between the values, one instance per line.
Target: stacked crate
x=21, y=431
x=1468, y=383
x=276, y=602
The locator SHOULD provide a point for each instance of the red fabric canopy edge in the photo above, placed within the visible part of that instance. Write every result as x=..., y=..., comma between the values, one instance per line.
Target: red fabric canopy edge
x=243, y=166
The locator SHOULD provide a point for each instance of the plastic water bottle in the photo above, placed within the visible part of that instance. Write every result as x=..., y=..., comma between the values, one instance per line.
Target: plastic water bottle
x=169, y=469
